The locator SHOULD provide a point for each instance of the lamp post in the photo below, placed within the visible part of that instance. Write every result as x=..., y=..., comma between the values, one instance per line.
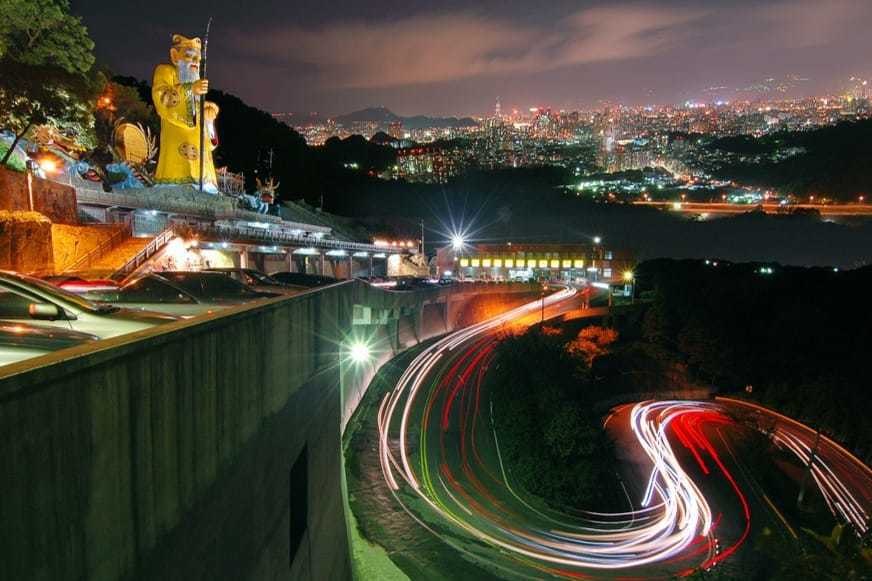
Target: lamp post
x=28, y=173
x=598, y=255
x=544, y=288
x=630, y=280
x=457, y=243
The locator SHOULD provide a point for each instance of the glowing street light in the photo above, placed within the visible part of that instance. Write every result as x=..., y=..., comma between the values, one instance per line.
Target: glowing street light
x=457, y=242
x=48, y=165
x=597, y=239
x=628, y=276
x=359, y=352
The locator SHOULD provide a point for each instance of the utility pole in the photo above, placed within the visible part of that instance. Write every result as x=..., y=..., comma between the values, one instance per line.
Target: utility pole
x=424, y=254
x=543, y=304
x=801, y=497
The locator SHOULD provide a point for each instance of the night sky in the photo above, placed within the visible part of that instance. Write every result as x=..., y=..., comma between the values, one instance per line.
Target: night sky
x=455, y=57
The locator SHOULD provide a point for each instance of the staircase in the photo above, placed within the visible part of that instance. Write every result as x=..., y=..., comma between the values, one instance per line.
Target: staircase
x=146, y=252
x=116, y=257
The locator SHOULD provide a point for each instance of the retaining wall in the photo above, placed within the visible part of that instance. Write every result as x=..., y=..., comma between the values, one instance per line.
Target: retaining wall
x=54, y=200
x=204, y=449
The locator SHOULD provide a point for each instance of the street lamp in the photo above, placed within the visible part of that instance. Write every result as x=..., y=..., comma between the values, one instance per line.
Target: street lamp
x=457, y=242
x=359, y=352
x=48, y=165
x=629, y=279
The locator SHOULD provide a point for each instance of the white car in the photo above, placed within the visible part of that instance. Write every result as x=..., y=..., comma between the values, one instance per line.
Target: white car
x=19, y=341
x=30, y=300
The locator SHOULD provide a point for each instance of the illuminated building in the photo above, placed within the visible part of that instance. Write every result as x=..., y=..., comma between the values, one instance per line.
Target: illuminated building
x=564, y=262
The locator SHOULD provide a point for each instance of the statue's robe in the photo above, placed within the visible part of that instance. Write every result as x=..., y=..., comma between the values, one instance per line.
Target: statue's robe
x=179, y=110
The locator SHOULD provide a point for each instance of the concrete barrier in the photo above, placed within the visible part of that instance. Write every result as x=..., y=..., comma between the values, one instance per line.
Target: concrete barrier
x=204, y=449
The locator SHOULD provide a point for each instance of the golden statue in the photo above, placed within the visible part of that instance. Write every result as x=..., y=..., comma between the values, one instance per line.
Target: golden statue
x=176, y=91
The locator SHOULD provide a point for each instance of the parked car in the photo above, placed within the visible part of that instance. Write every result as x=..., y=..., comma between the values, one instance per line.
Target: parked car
x=257, y=280
x=302, y=279
x=26, y=299
x=19, y=341
x=186, y=294
x=406, y=283
x=93, y=289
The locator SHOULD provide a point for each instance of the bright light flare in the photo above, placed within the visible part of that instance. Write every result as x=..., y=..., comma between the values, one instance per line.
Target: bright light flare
x=48, y=165
x=359, y=352
x=457, y=242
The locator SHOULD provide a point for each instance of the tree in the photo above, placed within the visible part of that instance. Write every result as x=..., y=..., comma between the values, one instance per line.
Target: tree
x=592, y=342
x=41, y=32
x=119, y=102
x=45, y=57
x=706, y=349
x=33, y=95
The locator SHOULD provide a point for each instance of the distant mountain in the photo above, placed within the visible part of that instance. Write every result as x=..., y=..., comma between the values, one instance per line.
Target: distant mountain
x=385, y=117
x=368, y=115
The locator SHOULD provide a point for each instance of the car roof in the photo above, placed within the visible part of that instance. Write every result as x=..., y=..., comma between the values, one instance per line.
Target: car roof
x=17, y=328
x=166, y=273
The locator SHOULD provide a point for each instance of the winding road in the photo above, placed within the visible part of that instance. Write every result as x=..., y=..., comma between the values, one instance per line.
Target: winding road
x=691, y=503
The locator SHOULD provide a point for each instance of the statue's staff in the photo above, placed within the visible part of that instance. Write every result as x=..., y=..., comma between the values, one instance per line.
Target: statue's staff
x=203, y=104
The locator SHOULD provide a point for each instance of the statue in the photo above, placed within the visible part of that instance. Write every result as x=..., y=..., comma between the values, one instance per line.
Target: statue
x=176, y=91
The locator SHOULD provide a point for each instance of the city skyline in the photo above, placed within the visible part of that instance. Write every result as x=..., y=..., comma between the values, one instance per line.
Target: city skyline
x=451, y=60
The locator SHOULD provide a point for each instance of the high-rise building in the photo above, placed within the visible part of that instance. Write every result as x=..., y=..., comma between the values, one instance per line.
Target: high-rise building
x=395, y=129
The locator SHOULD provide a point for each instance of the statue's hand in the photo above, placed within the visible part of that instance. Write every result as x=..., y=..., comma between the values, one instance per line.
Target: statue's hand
x=200, y=87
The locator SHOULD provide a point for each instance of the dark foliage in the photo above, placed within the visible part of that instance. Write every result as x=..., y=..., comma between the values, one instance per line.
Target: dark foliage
x=834, y=164
x=552, y=443
x=800, y=337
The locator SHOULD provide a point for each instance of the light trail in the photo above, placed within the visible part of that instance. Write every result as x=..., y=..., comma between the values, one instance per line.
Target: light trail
x=673, y=519
x=840, y=501
x=441, y=467
x=846, y=501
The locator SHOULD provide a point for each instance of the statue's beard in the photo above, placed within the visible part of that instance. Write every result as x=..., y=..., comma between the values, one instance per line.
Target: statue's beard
x=186, y=73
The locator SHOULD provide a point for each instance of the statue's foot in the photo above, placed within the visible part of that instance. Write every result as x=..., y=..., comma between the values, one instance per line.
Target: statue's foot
x=208, y=188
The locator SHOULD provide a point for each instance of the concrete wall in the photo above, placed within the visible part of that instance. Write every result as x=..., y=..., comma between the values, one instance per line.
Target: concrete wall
x=167, y=454
x=56, y=201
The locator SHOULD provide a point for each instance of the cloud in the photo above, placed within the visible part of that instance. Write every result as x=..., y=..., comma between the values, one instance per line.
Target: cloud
x=432, y=48
x=814, y=23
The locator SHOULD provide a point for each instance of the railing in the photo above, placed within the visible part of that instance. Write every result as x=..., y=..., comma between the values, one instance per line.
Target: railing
x=235, y=232
x=101, y=249
x=154, y=245
x=230, y=183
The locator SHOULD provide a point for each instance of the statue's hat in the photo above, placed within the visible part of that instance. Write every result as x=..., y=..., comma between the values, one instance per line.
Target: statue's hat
x=183, y=42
